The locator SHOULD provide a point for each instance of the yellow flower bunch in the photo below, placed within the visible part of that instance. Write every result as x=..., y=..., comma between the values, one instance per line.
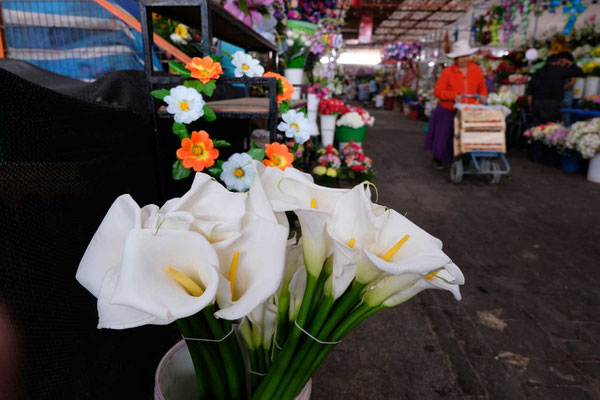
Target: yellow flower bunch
x=589, y=67
x=595, y=52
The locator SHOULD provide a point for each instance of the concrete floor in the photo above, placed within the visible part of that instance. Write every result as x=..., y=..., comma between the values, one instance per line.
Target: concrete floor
x=528, y=326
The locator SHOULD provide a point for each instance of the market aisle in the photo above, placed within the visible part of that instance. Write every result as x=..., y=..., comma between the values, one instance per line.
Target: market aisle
x=529, y=322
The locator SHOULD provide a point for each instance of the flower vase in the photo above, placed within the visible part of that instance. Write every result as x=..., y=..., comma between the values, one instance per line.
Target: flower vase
x=295, y=76
x=344, y=134
x=593, y=173
x=327, y=129
x=312, y=107
x=592, y=83
x=570, y=161
x=175, y=379
x=578, y=88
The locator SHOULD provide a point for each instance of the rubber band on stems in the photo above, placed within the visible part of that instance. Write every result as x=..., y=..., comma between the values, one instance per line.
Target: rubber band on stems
x=211, y=340
x=256, y=373
x=314, y=338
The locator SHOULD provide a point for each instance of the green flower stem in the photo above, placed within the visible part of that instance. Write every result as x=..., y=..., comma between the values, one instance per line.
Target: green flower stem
x=260, y=361
x=234, y=345
x=283, y=322
x=314, y=327
x=254, y=368
x=232, y=372
x=267, y=358
x=201, y=379
x=213, y=365
x=319, y=352
x=280, y=364
x=323, y=276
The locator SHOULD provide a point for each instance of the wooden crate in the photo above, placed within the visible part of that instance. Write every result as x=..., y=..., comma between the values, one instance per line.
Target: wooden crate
x=479, y=129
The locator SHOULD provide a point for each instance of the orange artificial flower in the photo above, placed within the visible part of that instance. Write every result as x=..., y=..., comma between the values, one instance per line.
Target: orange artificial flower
x=288, y=88
x=279, y=156
x=197, y=152
x=204, y=69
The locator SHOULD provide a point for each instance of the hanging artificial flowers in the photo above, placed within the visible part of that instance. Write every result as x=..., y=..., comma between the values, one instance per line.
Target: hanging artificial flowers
x=573, y=10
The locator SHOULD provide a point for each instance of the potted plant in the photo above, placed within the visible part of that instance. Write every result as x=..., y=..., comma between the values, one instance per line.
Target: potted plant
x=329, y=109
x=352, y=125
x=296, y=46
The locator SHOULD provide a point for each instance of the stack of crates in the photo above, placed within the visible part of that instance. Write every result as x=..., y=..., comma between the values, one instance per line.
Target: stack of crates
x=479, y=129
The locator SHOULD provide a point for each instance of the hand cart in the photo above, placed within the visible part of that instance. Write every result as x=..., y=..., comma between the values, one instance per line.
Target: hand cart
x=479, y=143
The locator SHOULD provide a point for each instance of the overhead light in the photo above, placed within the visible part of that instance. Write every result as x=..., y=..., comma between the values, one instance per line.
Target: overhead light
x=360, y=57
x=431, y=64
x=324, y=60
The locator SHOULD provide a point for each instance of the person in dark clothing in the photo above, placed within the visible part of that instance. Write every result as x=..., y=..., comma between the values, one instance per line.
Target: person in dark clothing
x=547, y=87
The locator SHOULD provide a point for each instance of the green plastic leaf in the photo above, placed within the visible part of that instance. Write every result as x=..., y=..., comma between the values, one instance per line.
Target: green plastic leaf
x=297, y=62
x=179, y=171
x=180, y=130
x=228, y=54
x=179, y=69
x=216, y=58
x=244, y=7
x=160, y=93
x=285, y=106
x=206, y=88
x=217, y=169
x=257, y=154
x=255, y=146
x=279, y=87
x=303, y=111
x=210, y=87
x=221, y=143
x=209, y=114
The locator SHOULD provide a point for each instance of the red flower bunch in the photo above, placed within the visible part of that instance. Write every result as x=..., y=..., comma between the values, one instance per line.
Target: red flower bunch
x=332, y=107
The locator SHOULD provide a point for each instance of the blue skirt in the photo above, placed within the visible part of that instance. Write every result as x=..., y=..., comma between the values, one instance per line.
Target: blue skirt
x=440, y=135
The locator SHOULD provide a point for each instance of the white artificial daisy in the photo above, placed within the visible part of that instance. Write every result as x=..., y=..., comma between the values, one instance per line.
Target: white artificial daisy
x=238, y=172
x=245, y=65
x=185, y=103
x=296, y=125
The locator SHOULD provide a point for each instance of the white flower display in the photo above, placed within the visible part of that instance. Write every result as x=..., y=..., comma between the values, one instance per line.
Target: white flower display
x=505, y=98
x=181, y=34
x=295, y=125
x=186, y=104
x=351, y=119
x=245, y=65
x=238, y=172
x=589, y=145
x=584, y=137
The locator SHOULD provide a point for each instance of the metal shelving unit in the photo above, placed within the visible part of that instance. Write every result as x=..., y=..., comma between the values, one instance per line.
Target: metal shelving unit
x=212, y=19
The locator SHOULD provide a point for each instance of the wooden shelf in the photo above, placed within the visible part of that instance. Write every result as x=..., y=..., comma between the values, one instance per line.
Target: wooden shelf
x=244, y=107
x=225, y=26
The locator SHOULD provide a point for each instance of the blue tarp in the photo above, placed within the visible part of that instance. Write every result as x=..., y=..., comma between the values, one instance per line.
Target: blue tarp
x=75, y=38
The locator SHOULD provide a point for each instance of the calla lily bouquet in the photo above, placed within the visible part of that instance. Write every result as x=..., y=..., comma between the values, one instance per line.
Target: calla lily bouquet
x=216, y=261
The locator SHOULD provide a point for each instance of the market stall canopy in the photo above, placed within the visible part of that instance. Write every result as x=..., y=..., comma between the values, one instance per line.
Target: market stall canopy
x=403, y=20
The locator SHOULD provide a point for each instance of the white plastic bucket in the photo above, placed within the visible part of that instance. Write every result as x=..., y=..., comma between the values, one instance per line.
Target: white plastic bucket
x=327, y=129
x=295, y=76
x=312, y=107
x=175, y=378
x=593, y=173
x=592, y=84
x=379, y=101
x=578, y=88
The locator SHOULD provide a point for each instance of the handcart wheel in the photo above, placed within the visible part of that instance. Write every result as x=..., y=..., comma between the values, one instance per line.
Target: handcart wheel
x=494, y=172
x=456, y=171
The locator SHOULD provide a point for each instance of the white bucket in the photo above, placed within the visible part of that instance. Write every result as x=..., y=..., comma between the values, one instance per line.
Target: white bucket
x=593, y=173
x=592, y=84
x=175, y=378
x=578, y=88
x=379, y=101
x=312, y=102
x=312, y=107
x=327, y=129
x=295, y=76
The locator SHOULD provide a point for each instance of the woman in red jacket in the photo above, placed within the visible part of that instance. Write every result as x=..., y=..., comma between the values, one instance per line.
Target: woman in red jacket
x=461, y=78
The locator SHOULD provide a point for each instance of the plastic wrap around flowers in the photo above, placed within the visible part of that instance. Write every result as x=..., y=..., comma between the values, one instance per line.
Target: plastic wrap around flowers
x=401, y=51
x=214, y=257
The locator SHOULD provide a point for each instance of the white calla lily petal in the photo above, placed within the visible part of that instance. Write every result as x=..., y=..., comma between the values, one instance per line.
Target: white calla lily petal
x=145, y=285
x=296, y=289
x=106, y=247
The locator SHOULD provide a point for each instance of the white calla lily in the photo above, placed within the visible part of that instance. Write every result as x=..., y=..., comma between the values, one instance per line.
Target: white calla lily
x=145, y=284
x=292, y=190
x=253, y=263
x=352, y=227
x=264, y=320
x=296, y=288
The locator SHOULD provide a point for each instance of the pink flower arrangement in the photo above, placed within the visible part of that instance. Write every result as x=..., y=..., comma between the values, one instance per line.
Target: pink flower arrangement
x=316, y=89
x=364, y=114
x=357, y=162
x=254, y=17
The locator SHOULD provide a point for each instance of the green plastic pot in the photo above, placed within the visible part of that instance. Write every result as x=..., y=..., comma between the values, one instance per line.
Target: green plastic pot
x=345, y=134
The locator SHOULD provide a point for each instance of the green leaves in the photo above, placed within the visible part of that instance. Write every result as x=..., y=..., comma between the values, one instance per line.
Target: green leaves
x=221, y=143
x=160, y=93
x=279, y=87
x=180, y=130
x=244, y=7
x=206, y=88
x=179, y=69
x=256, y=152
x=297, y=62
x=209, y=114
x=284, y=107
x=217, y=169
x=179, y=171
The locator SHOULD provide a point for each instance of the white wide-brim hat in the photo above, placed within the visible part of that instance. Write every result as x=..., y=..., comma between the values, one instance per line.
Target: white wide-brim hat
x=461, y=48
